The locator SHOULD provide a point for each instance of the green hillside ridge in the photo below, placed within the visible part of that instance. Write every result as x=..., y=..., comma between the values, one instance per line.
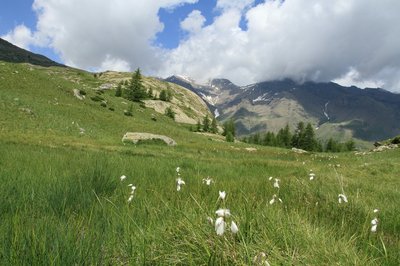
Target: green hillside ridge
x=61, y=160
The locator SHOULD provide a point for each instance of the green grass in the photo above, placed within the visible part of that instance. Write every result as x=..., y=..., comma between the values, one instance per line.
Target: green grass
x=64, y=204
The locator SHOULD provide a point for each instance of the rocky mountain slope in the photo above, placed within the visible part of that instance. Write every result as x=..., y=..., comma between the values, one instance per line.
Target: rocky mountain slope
x=334, y=110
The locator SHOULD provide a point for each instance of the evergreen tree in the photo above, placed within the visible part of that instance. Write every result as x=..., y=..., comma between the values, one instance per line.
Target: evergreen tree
x=298, y=137
x=206, y=124
x=150, y=93
x=136, y=91
x=118, y=91
x=229, y=130
x=163, y=95
x=269, y=139
x=309, y=142
x=350, y=145
x=198, y=126
x=214, y=126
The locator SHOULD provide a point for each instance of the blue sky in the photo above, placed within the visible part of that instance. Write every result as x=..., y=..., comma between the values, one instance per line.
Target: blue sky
x=352, y=42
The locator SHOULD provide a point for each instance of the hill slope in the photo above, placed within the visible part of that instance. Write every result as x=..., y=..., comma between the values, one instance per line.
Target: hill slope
x=13, y=54
x=64, y=201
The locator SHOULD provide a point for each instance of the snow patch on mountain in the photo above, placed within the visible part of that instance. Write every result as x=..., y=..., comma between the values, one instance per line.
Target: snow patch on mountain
x=325, y=110
x=261, y=98
x=216, y=113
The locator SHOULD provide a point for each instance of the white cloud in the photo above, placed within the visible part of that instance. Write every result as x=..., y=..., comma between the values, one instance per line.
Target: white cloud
x=234, y=4
x=20, y=36
x=355, y=41
x=193, y=22
x=115, y=64
x=303, y=40
x=100, y=33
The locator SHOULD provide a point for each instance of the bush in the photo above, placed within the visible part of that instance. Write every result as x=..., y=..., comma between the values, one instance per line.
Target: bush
x=97, y=98
x=170, y=113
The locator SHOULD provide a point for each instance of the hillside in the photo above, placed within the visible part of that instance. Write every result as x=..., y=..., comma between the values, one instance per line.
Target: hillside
x=75, y=194
x=335, y=111
x=13, y=54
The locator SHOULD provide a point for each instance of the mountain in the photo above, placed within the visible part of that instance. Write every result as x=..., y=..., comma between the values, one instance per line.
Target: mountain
x=14, y=54
x=335, y=111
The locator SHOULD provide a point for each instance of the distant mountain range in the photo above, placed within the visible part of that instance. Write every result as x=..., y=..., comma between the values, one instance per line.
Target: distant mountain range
x=335, y=111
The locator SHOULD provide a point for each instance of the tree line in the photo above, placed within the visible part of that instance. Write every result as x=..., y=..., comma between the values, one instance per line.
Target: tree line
x=302, y=138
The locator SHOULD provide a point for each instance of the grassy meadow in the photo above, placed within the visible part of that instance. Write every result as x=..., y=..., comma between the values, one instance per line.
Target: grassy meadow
x=63, y=202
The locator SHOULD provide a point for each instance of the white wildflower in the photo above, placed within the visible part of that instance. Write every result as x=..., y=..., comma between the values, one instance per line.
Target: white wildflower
x=234, y=227
x=376, y=210
x=123, y=177
x=130, y=198
x=220, y=226
x=207, y=181
x=311, y=175
x=374, y=224
x=222, y=195
x=270, y=178
x=342, y=197
x=223, y=212
x=276, y=183
x=274, y=198
x=179, y=183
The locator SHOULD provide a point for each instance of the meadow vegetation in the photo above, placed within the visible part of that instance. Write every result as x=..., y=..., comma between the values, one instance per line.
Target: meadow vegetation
x=64, y=202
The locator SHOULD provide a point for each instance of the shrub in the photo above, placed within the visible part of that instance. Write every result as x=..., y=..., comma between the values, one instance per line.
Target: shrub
x=170, y=113
x=97, y=98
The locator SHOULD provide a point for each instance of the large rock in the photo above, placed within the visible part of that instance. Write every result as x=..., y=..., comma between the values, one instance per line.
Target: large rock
x=135, y=137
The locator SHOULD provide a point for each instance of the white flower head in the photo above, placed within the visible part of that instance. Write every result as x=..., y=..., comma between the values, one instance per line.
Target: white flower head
x=270, y=178
x=261, y=259
x=234, y=227
x=220, y=226
x=179, y=183
x=374, y=228
x=223, y=212
x=342, y=198
x=311, y=175
x=178, y=169
x=222, y=195
x=274, y=198
x=130, y=198
x=376, y=210
x=207, y=181
x=123, y=177
x=276, y=183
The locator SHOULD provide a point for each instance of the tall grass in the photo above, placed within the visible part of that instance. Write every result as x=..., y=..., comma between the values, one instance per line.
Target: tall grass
x=64, y=206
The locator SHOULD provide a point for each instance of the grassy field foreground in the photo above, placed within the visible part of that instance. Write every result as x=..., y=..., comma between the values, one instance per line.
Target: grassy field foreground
x=68, y=206
x=63, y=202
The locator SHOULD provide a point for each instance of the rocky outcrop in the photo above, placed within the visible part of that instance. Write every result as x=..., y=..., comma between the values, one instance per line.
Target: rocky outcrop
x=135, y=137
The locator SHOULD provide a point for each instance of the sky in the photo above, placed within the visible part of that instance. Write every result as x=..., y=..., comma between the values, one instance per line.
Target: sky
x=351, y=42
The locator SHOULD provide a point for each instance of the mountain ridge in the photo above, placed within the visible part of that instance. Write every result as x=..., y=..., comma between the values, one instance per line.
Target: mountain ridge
x=369, y=114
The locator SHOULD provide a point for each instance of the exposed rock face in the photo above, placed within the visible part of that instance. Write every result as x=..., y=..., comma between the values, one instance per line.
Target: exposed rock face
x=298, y=150
x=78, y=94
x=135, y=137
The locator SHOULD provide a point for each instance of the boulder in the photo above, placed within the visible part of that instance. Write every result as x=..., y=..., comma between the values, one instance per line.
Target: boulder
x=135, y=137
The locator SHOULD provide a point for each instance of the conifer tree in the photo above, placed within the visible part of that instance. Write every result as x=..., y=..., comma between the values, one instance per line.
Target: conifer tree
x=214, y=126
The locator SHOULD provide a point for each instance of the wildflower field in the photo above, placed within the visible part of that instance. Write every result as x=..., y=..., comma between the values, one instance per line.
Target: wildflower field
x=73, y=198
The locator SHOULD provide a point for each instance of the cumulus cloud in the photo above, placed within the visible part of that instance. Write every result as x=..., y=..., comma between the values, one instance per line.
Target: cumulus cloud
x=193, y=22
x=349, y=41
x=303, y=40
x=20, y=36
x=95, y=34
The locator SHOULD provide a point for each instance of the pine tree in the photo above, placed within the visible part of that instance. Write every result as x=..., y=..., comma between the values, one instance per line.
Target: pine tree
x=298, y=137
x=118, y=91
x=136, y=91
x=229, y=130
x=206, y=124
x=309, y=142
x=214, y=126
x=198, y=126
